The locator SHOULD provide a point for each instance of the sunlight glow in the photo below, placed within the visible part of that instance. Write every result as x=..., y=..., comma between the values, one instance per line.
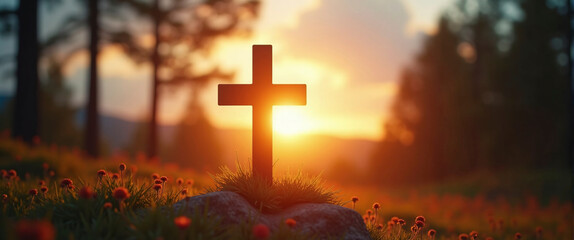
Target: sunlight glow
x=290, y=121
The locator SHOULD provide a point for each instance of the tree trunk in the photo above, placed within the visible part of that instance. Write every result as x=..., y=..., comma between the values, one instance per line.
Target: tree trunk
x=26, y=116
x=92, y=128
x=153, y=134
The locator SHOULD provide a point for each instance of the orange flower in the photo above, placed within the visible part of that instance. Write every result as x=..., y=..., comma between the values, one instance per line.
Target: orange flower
x=121, y=193
x=115, y=176
x=395, y=219
x=290, y=222
x=189, y=182
x=86, y=192
x=402, y=222
x=473, y=235
x=154, y=176
x=420, y=218
x=101, y=173
x=182, y=222
x=420, y=224
x=261, y=231
x=157, y=181
x=376, y=206
x=38, y=230
x=355, y=199
x=157, y=187
x=163, y=178
x=463, y=236
x=431, y=233
x=179, y=181
x=184, y=191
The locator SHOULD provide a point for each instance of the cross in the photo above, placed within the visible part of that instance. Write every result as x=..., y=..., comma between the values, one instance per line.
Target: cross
x=262, y=95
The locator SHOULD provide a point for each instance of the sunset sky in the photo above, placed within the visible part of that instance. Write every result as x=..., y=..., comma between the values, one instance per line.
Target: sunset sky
x=349, y=53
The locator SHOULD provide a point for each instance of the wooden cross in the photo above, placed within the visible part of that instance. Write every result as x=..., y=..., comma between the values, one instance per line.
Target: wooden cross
x=262, y=95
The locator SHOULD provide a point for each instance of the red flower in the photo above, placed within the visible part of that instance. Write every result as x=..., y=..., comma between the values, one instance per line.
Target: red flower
x=66, y=182
x=431, y=233
x=37, y=230
x=44, y=189
x=184, y=191
x=517, y=236
x=395, y=219
x=86, y=192
x=355, y=199
x=420, y=224
x=115, y=176
x=290, y=222
x=179, y=181
x=182, y=222
x=122, y=166
x=41, y=183
x=420, y=218
x=33, y=192
x=121, y=193
x=4, y=198
x=163, y=178
x=154, y=176
x=402, y=222
x=101, y=173
x=157, y=181
x=261, y=231
x=473, y=235
x=12, y=173
x=463, y=236
x=107, y=205
x=157, y=187
x=376, y=206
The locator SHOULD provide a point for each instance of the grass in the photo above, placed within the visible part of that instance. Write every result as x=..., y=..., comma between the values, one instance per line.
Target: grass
x=285, y=191
x=64, y=212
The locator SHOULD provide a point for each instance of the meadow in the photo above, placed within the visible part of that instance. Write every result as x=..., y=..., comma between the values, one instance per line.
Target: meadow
x=51, y=192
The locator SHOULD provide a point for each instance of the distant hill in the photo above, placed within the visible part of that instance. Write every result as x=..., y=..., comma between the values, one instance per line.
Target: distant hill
x=310, y=151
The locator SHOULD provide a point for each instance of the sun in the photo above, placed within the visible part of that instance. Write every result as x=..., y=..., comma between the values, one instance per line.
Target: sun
x=290, y=120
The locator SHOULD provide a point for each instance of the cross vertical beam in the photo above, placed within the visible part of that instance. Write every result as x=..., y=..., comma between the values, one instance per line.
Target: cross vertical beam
x=262, y=95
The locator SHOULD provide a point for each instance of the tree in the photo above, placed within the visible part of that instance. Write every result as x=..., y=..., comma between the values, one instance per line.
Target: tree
x=92, y=126
x=25, y=118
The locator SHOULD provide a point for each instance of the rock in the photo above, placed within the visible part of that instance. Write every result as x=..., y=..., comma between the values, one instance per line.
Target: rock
x=326, y=221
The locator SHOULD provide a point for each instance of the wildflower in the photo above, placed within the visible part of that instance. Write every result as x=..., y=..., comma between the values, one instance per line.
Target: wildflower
x=101, y=173
x=182, y=222
x=12, y=173
x=44, y=189
x=420, y=224
x=395, y=220
x=33, y=192
x=380, y=226
x=154, y=176
x=261, y=231
x=431, y=233
x=420, y=218
x=184, y=192
x=414, y=228
x=376, y=206
x=463, y=236
x=157, y=181
x=115, y=176
x=107, y=205
x=121, y=193
x=163, y=179
x=369, y=212
x=179, y=181
x=354, y=199
x=66, y=182
x=41, y=183
x=3, y=173
x=391, y=224
x=122, y=167
x=189, y=182
x=71, y=187
x=517, y=236
x=4, y=198
x=40, y=230
x=473, y=235
x=290, y=222
x=86, y=192
x=402, y=222
x=157, y=187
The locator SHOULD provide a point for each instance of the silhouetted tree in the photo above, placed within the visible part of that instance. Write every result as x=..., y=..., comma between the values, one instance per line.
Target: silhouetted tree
x=92, y=126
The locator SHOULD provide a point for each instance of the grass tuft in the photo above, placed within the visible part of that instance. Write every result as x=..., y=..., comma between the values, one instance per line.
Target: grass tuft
x=285, y=191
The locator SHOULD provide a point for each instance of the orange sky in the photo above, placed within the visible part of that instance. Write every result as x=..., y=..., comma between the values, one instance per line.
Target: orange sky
x=349, y=54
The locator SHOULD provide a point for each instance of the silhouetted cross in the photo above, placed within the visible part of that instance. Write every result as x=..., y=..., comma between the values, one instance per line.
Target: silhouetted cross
x=262, y=95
